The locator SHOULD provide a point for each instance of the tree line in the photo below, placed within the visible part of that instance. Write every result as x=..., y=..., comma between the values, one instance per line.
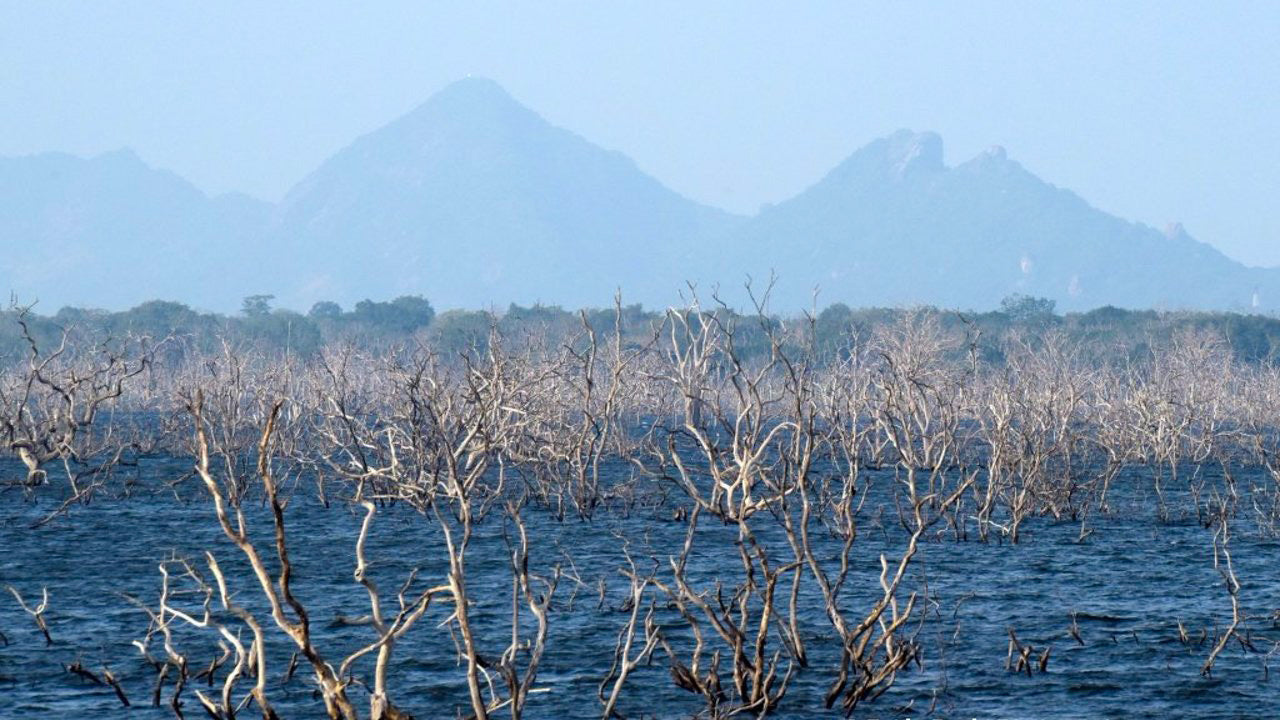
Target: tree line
x=1105, y=335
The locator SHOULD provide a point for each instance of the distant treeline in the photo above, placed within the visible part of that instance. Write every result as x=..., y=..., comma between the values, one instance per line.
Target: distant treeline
x=1103, y=335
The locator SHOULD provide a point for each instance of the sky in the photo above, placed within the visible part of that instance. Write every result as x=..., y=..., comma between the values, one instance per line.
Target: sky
x=1155, y=111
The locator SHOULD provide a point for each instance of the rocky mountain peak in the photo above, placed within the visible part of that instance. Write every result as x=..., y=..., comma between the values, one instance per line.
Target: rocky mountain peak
x=911, y=152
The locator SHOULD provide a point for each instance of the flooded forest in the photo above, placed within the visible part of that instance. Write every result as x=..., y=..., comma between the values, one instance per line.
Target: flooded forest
x=695, y=513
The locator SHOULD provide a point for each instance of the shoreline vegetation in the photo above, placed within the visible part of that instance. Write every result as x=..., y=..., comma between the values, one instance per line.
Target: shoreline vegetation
x=794, y=435
x=1104, y=334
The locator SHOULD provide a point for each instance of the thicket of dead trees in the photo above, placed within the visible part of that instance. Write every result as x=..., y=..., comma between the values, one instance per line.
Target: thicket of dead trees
x=787, y=453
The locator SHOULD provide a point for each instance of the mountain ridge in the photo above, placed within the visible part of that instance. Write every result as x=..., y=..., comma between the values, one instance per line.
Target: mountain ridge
x=81, y=225
x=472, y=199
x=892, y=217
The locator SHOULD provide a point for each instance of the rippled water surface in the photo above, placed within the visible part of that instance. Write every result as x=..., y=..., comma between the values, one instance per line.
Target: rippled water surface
x=1130, y=582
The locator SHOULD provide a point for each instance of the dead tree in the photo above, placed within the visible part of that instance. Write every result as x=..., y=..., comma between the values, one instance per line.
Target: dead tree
x=917, y=408
x=1222, y=563
x=36, y=613
x=625, y=661
x=50, y=410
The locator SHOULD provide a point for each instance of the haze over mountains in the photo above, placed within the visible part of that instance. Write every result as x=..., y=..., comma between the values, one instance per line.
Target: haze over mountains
x=473, y=200
x=893, y=225
x=112, y=232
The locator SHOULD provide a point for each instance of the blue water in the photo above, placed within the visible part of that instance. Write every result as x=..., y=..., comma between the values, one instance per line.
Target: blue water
x=1129, y=583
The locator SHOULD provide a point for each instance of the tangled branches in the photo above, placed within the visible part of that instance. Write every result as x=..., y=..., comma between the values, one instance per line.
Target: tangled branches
x=774, y=464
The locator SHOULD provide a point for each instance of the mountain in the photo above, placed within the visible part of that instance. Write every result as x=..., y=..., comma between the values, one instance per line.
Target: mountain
x=474, y=200
x=893, y=224
x=110, y=229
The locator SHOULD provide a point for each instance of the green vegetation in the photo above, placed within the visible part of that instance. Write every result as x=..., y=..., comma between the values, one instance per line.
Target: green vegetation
x=1103, y=335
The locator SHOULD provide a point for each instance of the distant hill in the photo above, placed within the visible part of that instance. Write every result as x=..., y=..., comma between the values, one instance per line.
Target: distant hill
x=473, y=200
x=111, y=230
x=893, y=225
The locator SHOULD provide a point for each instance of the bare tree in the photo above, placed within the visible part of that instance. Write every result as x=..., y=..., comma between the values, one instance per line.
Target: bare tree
x=50, y=410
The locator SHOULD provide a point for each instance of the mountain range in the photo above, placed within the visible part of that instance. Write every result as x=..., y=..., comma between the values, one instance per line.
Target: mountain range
x=473, y=200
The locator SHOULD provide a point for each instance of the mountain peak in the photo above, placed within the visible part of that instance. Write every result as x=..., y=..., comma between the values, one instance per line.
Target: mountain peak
x=470, y=94
x=993, y=161
x=471, y=107
x=474, y=85
x=909, y=152
x=904, y=154
x=123, y=156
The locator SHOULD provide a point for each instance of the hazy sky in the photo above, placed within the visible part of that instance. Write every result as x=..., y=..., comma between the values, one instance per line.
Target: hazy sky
x=1156, y=111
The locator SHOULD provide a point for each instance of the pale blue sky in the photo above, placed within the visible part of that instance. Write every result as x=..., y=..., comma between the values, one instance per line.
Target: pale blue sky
x=1156, y=111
